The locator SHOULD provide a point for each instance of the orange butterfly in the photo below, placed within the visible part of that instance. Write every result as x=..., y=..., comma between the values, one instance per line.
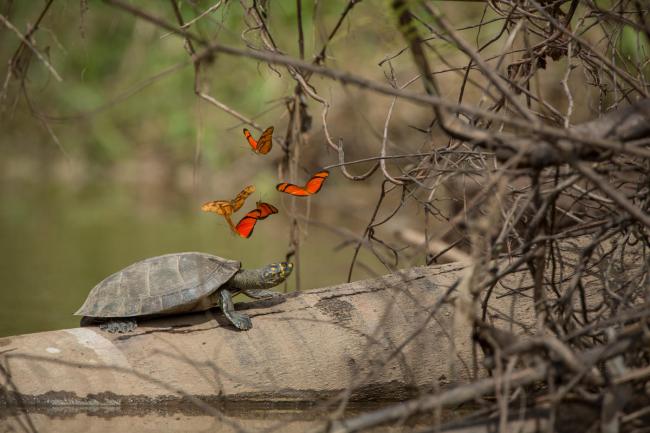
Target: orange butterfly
x=312, y=186
x=263, y=145
x=265, y=209
x=227, y=207
x=246, y=225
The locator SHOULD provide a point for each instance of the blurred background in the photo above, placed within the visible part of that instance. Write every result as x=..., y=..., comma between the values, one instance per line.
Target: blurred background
x=111, y=164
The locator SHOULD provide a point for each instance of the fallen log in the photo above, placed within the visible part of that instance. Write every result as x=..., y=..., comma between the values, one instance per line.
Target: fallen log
x=385, y=339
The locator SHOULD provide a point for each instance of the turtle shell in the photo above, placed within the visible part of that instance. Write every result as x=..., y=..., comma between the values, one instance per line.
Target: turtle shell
x=173, y=282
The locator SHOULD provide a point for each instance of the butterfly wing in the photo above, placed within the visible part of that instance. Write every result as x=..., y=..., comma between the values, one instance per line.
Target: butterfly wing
x=316, y=182
x=229, y=221
x=238, y=201
x=220, y=207
x=250, y=139
x=292, y=189
x=266, y=209
x=266, y=141
x=245, y=226
x=263, y=146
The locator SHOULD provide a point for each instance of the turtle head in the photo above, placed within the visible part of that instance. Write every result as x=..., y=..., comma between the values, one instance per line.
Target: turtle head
x=274, y=274
x=262, y=278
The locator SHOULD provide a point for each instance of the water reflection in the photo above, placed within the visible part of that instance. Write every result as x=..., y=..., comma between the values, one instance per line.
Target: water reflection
x=240, y=418
x=258, y=418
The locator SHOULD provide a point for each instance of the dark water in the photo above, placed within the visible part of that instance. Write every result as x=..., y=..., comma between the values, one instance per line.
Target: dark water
x=58, y=241
x=299, y=419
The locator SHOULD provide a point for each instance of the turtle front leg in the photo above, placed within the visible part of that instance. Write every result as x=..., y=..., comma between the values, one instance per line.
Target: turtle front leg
x=261, y=294
x=241, y=321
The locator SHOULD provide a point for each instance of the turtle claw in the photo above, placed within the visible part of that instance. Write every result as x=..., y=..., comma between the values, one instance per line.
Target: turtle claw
x=241, y=321
x=118, y=326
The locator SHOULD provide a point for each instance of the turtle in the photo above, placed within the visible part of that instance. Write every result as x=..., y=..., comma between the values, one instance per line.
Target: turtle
x=177, y=283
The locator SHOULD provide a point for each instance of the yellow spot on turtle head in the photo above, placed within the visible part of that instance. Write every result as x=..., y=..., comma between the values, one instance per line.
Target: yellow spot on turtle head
x=286, y=268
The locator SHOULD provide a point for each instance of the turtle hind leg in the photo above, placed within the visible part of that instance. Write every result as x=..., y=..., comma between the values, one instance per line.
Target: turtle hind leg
x=113, y=326
x=241, y=321
x=261, y=294
x=119, y=326
x=88, y=321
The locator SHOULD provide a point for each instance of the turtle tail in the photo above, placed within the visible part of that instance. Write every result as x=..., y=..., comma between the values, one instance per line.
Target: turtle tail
x=262, y=278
